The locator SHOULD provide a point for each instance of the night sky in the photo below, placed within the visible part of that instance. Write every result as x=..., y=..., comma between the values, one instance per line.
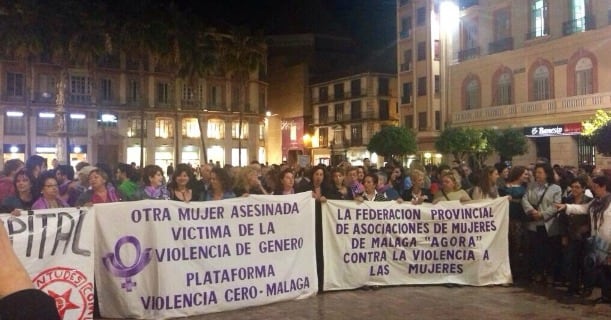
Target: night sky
x=371, y=23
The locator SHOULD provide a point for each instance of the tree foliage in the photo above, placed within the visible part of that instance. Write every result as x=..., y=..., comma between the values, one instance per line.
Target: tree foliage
x=393, y=141
x=460, y=142
x=510, y=142
x=598, y=131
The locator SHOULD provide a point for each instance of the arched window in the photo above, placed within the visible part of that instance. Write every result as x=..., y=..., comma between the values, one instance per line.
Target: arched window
x=583, y=76
x=504, y=89
x=472, y=94
x=541, y=83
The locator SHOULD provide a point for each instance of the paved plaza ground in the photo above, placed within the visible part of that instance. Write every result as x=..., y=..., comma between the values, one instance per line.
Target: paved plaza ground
x=428, y=302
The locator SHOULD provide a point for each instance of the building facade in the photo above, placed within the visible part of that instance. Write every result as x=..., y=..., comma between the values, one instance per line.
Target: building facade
x=347, y=112
x=419, y=74
x=537, y=65
x=125, y=109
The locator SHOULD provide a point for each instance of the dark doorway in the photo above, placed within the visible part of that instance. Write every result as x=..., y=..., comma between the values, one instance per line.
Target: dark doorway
x=543, y=149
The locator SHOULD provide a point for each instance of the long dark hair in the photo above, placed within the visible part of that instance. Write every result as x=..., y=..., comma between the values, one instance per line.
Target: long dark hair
x=180, y=168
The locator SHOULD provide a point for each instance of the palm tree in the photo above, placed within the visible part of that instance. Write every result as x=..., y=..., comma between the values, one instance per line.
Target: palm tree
x=242, y=52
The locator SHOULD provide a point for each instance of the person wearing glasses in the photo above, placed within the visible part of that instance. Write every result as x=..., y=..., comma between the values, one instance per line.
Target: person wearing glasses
x=49, y=194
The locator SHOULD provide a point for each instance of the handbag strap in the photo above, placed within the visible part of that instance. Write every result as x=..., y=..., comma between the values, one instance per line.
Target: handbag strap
x=445, y=195
x=542, y=195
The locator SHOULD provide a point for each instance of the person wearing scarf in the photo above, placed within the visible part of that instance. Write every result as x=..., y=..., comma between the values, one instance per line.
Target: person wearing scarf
x=598, y=257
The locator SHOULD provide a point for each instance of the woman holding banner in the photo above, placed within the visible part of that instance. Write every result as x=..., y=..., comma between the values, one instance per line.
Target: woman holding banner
x=338, y=190
x=287, y=182
x=50, y=194
x=417, y=194
x=182, y=184
x=220, y=185
x=450, y=189
x=152, y=176
x=248, y=182
x=486, y=187
x=24, y=197
x=101, y=190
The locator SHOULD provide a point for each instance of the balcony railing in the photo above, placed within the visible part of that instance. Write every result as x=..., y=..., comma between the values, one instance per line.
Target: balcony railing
x=536, y=33
x=406, y=100
x=80, y=99
x=191, y=104
x=44, y=97
x=535, y=108
x=406, y=66
x=469, y=53
x=500, y=45
x=405, y=33
x=578, y=25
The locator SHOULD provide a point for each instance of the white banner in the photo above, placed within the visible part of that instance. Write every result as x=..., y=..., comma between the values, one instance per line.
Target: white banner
x=56, y=248
x=386, y=243
x=162, y=259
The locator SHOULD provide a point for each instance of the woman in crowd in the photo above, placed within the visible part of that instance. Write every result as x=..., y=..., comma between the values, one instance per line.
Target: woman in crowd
x=486, y=187
x=576, y=229
x=50, y=193
x=101, y=190
x=516, y=189
x=152, y=176
x=396, y=178
x=220, y=185
x=248, y=182
x=599, y=244
x=318, y=179
x=338, y=189
x=182, y=184
x=543, y=226
x=287, y=182
x=370, y=193
x=450, y=189
x=24, y=198
x=417, y=194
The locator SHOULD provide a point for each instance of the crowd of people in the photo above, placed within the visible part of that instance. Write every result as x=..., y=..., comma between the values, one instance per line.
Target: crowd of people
x=560, y=218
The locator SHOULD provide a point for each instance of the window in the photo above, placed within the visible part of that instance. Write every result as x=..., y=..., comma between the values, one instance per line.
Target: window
x=338, y=135
x=293, y=131
x=502, y=26
x=80, y=89
x=261, y=131
x=262, y=100
x=339, y=112
x=14, y=123
x=541, y=84
x=133, y=91
x=163, y=93
x=504, y=89
x=235, y=97
x=409, y=121
x=355, y=110
x=77, y=124
x=323, y=114
x=436, y=50
x=45, y=123
x=188, y=94
x=323, y=94
x=407, y=93
x=421, y=51
x=216, y=129
x=164, y=128
x=579, y=19
x=383, y=87
x=356, y=135
x=422, y=86
x=538, y=18
x=406, y=27
x=235, y=130
x=437, y=84
x=421, y=16
x=384, y=109
x=106, y=90
x=136, y=128
x=338, y=91
x=323, y=137
x=422, y=121
x=46, y=87
x=407, y=61
x=106, y=119
x=355, y=88
x=14, y=84
x=583, y=76
x=437, y=120
x=473, y=93
x=190, y=128
x=470, y=34
x=215, y=96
